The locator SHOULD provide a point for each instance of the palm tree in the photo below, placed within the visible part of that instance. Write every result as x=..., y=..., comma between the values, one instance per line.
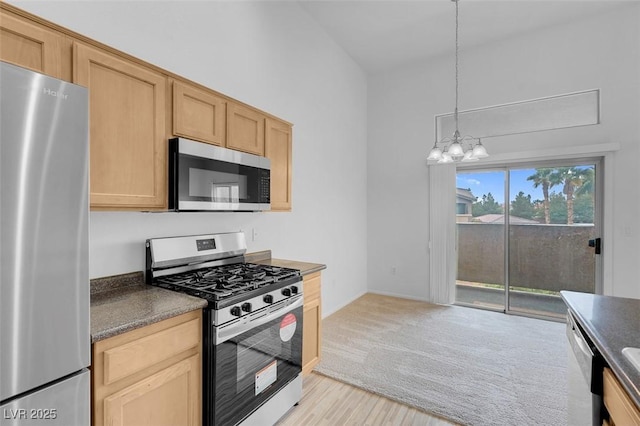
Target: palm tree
x=542, y=177
x=570, y=178
x=587, y=177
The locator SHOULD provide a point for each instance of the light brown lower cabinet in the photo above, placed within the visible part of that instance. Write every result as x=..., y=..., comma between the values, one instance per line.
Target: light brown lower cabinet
x=150, y=376
x=312, y=322
x=622, y=410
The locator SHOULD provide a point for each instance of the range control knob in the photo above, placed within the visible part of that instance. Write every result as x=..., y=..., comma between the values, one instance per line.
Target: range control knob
x=286, y=292
x=235, y=311
x=294, y=289
x=246, y=307
x=268, y=298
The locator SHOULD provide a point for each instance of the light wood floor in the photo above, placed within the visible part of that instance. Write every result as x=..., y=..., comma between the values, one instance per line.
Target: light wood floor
x=329, y=402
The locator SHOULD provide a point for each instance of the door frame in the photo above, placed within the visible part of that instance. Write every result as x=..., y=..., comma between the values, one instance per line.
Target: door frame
x=602, y=210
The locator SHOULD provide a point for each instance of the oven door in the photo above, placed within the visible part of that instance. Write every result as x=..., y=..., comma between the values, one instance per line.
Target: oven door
x=207, y=177
x=253, y=361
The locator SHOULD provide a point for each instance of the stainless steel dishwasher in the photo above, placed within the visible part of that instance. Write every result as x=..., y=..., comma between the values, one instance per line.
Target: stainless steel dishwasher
x=585, y=378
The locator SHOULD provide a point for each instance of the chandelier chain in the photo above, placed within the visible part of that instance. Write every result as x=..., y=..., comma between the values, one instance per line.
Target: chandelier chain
x=457, y=148
x=456, y=109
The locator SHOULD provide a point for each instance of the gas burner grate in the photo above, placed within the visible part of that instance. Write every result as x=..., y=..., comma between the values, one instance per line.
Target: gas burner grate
x=221, y=282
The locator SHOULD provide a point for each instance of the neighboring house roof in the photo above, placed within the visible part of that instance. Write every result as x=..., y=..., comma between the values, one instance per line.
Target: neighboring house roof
x=499, y=218
x=465, y=194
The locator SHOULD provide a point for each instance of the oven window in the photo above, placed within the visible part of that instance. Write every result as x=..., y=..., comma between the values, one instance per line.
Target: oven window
x=255, y=360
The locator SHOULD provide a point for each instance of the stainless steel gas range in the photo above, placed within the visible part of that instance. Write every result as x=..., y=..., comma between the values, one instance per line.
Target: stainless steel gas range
x=252, y=332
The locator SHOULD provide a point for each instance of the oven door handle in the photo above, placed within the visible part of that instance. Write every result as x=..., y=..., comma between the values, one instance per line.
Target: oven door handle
x=226, y=333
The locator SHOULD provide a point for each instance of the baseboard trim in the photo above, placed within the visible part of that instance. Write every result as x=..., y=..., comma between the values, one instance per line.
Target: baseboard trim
x=401, y=296
x=356, y=297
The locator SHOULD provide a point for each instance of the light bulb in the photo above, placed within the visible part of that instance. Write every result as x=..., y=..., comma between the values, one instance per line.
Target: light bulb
x=479, y=151
x=446, y=158
x=435, y=153
x=468, y=156
x=455, y=150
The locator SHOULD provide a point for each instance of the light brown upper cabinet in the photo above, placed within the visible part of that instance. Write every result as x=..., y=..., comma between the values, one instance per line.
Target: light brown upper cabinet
x=134, y=109
x=128, y=135
x=278, y=150
x=198, y=114
x=245, y=129
x=30, y=45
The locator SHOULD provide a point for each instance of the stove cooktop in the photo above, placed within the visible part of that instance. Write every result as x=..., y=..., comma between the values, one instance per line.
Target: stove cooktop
x=228, y=284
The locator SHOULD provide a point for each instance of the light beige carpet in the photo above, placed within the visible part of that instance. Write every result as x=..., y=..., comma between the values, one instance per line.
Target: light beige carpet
x=471, y=366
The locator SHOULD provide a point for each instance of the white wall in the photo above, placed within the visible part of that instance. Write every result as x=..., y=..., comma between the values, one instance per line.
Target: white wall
x=273, y=56
x=599, y=52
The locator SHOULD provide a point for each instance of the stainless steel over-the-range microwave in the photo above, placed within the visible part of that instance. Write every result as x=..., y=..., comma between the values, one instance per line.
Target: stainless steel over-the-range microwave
x=204, y=177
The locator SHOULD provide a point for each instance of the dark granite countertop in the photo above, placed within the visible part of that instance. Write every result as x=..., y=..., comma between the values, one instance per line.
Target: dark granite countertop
x=612, y=323
x=123, y=303
x=264, y=258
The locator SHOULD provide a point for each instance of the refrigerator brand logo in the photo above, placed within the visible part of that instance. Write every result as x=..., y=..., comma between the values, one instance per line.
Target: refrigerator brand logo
x=53, y=93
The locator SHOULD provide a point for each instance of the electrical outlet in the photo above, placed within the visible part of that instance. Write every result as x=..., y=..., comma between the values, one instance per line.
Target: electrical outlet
x=254, y=234
x=393, y=270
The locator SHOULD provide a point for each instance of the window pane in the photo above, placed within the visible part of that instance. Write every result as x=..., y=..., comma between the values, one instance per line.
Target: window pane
x=480, y=276
x=551, y=221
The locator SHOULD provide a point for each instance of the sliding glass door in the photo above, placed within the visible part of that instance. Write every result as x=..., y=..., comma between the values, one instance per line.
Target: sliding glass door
x=480, y=279
x=528, y=232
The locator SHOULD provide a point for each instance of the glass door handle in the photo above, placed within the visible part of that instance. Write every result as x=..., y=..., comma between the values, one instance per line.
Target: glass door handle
x=597, y=244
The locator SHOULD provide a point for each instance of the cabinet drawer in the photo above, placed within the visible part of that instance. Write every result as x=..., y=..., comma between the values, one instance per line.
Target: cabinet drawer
x=311, y=285
x=127, y=359
x=621, y=409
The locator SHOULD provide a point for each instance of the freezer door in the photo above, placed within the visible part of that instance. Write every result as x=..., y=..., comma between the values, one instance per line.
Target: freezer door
x=65, y=403
x=44, y=278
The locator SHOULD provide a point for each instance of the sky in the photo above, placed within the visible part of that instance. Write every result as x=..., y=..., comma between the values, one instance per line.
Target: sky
x=482, y=183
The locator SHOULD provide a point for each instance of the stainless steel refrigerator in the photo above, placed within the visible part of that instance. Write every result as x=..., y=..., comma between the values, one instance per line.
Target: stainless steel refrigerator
x=44, y=250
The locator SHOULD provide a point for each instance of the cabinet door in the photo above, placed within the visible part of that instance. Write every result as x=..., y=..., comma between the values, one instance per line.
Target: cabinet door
x=311, y=336
x=198, y=114
x=620, y=406
x=128, y=140
x=167, y=398
x=278, y=150
x=245, y=129
x=139, y=371
x=29, y=45
x=311, y=323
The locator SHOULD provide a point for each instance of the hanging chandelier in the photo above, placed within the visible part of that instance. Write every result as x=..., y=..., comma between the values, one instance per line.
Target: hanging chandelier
x=457, y=148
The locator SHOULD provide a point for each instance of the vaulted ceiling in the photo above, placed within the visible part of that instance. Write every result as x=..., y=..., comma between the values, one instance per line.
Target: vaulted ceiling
x=384, y=34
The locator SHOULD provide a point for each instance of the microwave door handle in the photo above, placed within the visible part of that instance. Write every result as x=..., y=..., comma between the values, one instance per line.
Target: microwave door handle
x=235, y=330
